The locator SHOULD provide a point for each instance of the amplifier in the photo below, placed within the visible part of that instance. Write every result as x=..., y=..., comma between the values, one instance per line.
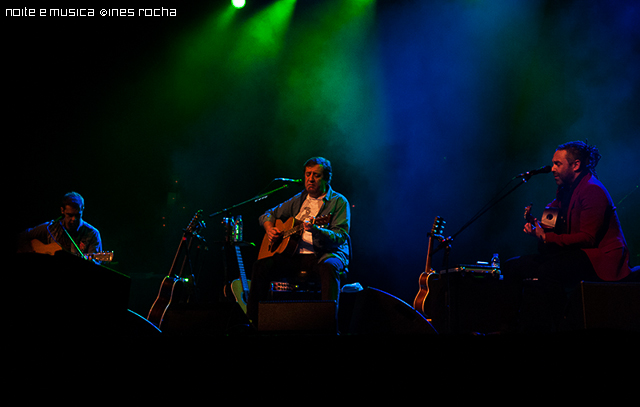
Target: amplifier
x=475, y=269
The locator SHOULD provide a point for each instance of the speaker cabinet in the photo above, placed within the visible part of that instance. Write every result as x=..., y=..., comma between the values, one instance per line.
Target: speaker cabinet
x=464, y=303
x=600, y=305
x=378, y=312
x=218, y=318
x=297, y=316
x=64, y=293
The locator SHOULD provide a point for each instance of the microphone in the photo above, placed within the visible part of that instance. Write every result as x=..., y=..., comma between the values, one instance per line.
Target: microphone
x=287, y=180
x=542, y=170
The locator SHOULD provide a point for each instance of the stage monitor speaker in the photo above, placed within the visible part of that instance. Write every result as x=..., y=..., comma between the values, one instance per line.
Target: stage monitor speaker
x=604, y=305
x=219, y=318
x=378, y=312
x=64, y=291
x=135, y=325
x=297, y=316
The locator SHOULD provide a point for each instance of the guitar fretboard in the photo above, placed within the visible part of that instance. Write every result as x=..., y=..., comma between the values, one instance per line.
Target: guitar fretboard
x=243, y=277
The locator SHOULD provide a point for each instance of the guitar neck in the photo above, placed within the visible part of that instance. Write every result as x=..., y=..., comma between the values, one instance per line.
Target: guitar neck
x=323, y=220
x=294, y=229
x=243, y=276
x=427, y=268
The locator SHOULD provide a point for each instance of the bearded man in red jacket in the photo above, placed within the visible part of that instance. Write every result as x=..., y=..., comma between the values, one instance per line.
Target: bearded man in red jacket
x=585, y=244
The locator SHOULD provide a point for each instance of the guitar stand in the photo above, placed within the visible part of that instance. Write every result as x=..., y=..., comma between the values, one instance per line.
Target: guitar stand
x=229, y=246
x=446, y=245
x=184, y=248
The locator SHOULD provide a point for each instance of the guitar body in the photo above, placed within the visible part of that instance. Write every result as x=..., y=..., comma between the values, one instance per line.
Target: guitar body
x=240, y=287
x=285, y=244
x=53, y=247
x=42, y=248
x=419, y=303
x=548, y=219
x=174, y=287
x=170, y=289
x=240, y=293
x=291, y=234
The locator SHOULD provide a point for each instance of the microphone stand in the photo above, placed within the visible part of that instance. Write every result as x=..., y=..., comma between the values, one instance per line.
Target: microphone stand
x=254, y=199
x=447, y=243
x=228, y=240
x=491, y=204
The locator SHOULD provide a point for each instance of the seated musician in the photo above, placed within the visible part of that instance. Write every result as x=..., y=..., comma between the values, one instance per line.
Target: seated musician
x=322, y=251
x=586, y=243
x=56, y=235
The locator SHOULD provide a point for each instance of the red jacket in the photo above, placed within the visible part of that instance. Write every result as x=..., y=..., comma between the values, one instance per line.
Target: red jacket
x=593, y=226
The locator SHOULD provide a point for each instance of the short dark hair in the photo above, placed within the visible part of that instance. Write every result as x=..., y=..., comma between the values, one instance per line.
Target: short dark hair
x=326, y=166
x=73, y=199
x=589, y=156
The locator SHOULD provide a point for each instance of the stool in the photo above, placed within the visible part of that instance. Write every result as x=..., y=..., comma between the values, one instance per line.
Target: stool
x=604, y=305
x=298, y=316
x=302, y=287
x=536, y=313
x=296, y=305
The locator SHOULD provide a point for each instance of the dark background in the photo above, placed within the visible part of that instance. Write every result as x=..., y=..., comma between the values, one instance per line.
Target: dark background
x=425, y=108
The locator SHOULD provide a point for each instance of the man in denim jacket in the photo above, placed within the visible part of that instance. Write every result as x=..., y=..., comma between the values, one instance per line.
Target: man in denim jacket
x=322, y=251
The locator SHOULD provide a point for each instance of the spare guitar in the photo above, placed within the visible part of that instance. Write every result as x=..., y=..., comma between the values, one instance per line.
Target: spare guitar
x=175, y=287
x=240, y=287
x=291, y=232
x=53, y=248
x=548, y=219
x=419, y=303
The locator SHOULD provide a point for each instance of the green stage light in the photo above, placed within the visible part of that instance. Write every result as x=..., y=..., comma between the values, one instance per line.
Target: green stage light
x=238, y=3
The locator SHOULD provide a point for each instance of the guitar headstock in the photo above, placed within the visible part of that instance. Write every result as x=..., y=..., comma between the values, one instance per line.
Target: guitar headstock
x=322, y=220
x=196, y=222
x=438, y=227
x=527, y=214
x=101, y=256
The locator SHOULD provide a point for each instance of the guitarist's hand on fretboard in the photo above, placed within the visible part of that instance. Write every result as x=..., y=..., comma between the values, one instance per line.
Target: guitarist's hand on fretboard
x=535, y=230
x=308, y=224
x=533, y=227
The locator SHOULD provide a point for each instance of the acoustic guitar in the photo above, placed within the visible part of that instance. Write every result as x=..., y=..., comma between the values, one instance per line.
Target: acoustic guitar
x=174, y=287
x=548, y=219
x=287, y=243
x=53, y=247
x=240, y=287
x=419, y=303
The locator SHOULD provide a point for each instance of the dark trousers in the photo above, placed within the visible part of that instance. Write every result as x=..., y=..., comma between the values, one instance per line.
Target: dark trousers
x=543, y=283
x=278, y=267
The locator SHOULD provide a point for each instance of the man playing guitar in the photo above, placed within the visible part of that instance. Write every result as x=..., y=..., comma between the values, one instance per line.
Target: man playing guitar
x=586, y=242
x=69, y=232
x=320, y=218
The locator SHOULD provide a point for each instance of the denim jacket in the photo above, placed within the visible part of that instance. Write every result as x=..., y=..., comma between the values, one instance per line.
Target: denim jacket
x=331, y=240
